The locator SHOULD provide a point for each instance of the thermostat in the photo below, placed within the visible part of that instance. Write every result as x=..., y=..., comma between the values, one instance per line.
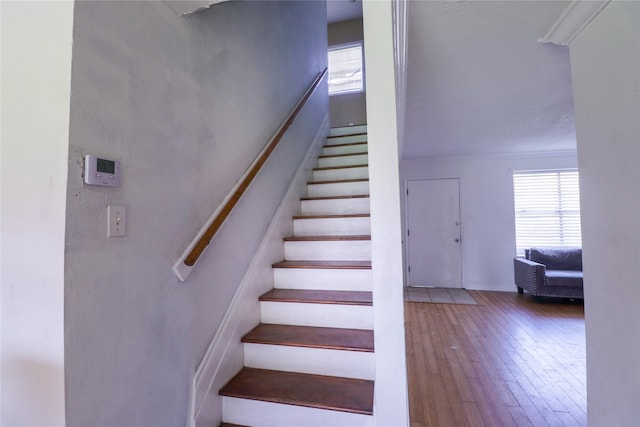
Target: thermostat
x=100, y=171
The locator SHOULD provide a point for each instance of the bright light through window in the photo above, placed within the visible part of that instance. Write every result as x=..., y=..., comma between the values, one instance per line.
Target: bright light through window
x=547, y=209
x=345, y=69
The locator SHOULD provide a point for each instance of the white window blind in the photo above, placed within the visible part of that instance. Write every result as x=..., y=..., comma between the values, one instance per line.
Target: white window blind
x=547, y=209
x=345, y=69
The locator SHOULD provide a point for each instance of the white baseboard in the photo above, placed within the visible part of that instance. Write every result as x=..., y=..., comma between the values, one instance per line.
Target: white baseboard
x=222, y=358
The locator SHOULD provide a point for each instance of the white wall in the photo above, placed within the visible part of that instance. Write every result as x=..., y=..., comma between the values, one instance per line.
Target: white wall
x=185, y=103
x=348, y=108
x=605, y=63
x=486, y=208
x=400, y=45
x=391, y=398
x=36, y=73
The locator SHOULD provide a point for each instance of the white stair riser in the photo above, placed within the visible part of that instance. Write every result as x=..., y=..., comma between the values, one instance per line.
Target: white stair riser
x=322, y=278
x=329, y=150
x=347, y=139
x=326, y=315
x=355, y=159
x=319, y=361
x=342, y=173
x=332, y=226
x=342, y=363
x=340, y=250
x=266, y=414
x=347, y=130
x=338, y=189
x=335, y=206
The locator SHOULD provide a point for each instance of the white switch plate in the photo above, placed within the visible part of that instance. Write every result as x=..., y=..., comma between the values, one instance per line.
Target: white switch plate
x=116, y=221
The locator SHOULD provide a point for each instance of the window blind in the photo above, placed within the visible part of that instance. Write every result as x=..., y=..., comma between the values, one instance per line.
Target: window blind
x=345, y=69
x=547, y=209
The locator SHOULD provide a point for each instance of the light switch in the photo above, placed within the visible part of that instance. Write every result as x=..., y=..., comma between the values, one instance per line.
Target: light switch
x=116, y=221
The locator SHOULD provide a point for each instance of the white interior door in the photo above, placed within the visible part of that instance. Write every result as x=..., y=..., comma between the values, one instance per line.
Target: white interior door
x=433, y=233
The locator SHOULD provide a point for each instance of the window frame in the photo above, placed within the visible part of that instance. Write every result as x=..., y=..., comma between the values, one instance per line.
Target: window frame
x=359, y=43
x=566, y=217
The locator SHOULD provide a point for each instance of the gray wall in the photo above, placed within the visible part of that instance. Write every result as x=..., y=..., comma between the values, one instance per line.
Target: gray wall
x=349, y=108
x=605, y=67
x=185, y=103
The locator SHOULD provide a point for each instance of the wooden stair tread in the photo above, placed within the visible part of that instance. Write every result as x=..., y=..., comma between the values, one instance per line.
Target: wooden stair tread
x=319, y=296
x=338, y=181
x=314, y=391
x=342, y=155
x=346, y=144
x=363, y=165
x=312, y=337
x=325, y=238
x=331, y=216
x=347, y=265
x=348, y=134
x=356, y=196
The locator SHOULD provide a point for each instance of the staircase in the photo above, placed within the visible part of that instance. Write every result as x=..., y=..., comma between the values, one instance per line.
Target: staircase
x=311, y=362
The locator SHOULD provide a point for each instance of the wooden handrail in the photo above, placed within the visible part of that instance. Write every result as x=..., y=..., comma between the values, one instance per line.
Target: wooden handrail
x=248, y=177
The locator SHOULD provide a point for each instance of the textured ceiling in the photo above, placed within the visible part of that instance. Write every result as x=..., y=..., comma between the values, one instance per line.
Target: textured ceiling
x=343, y=10
x=479, y=82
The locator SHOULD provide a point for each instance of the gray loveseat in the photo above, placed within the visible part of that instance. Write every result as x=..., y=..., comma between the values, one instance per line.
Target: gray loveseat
x=550, y=272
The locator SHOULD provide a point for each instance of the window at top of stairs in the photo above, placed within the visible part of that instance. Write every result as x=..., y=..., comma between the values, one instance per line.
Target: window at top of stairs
x=346, y=69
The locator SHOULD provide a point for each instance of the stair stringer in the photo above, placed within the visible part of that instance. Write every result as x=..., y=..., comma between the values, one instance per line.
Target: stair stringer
x=225, y=353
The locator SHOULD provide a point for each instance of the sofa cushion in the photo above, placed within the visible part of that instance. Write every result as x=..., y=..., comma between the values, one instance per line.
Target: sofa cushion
x=568, y=278
x=558, y=258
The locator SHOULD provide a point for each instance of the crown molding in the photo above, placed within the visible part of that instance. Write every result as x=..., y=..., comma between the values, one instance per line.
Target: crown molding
x=184, y=7
x=573, y=20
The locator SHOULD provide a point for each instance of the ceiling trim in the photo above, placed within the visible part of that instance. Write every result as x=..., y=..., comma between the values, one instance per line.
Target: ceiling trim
x=184, y=7
x=573, y=20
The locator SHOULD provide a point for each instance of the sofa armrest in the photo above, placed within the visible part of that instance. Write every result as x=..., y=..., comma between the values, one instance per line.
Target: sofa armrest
x=529, y=275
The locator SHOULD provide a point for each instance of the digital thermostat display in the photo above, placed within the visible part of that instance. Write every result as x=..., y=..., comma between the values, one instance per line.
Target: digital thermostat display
x=106, y=166
x=100, y=171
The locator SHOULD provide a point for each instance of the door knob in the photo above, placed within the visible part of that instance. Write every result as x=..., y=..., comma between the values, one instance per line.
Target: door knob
x=457, y=240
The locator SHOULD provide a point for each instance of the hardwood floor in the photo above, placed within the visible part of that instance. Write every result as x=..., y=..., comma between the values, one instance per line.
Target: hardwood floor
x=505, y=362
